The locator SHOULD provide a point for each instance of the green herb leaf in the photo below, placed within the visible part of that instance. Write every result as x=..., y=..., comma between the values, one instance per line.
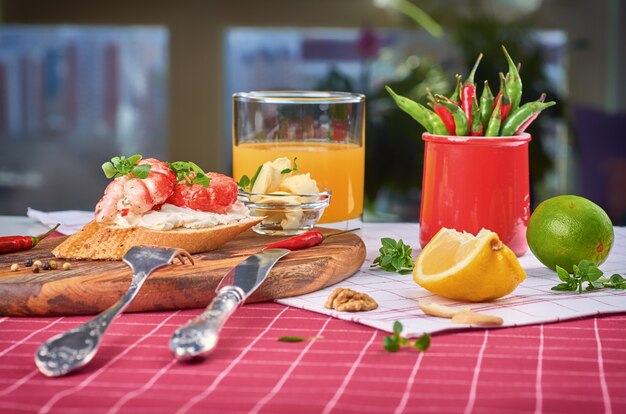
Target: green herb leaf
x=291, y=339
x=298, y=338
x=141, y=171
x=395, y=256
x=562, y=273
x=120, y=166
x=109, y=169
x=397, y=327
x=587, y=277
x=564, y=287
x=246, y=183
x=423, y=342
x=294, y=168
x=391, y=344
x=189, y=173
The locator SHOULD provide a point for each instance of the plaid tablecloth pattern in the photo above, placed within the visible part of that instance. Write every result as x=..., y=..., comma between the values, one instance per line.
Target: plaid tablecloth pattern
x=398, y=295
x=577, y=366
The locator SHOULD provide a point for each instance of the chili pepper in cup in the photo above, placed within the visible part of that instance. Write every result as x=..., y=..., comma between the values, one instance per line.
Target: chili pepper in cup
x=444, y=114
x=486, y=105
x=514, y=82
x=505, y=105
x=468, y=91
x=10, y=244
x=431, y=122
x=523, y=116
x=493, y=128
x=460, y=120
x=476, y=129
x=456, y=95
x=304, y=240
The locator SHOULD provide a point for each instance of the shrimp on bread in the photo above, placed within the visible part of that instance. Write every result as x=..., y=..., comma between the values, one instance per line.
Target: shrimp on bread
x=128, y=194
x=150, y=202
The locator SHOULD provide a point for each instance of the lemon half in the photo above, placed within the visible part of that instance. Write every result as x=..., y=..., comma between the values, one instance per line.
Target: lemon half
x=468, y=268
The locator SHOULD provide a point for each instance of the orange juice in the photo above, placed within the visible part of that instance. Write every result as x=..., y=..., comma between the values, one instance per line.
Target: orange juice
x=337, y=166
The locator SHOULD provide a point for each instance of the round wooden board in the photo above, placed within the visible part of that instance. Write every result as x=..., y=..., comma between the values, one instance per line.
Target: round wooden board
x=89, y=287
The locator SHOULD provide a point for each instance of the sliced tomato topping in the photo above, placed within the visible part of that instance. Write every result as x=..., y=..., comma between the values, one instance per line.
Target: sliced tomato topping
x=218, y=197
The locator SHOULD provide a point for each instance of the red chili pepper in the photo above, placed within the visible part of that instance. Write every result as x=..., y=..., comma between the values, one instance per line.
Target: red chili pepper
x=505, y=105
x=304, y=240
x=468, y=92
x=10, y=244
x=444, y=113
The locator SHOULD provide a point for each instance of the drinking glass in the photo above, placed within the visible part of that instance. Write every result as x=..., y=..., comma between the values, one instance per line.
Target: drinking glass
x=323, y=130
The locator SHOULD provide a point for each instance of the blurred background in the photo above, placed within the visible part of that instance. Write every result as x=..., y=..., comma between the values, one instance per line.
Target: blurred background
x=81, y=82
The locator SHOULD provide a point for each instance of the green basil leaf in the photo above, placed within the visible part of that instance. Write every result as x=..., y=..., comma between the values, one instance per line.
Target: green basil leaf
x=134, y=159
x=388, y=243
x=109, y=170
x=254, y=177
x=202, y=180
x=142, y=171
x=562, y=273
x=291, y=339
x=244, y=182
x=397, y=327
x=564, y=287
x=423, y=342
x=390, y=343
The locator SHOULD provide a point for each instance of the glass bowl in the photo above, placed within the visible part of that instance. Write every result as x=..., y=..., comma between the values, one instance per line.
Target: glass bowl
x=286, y=214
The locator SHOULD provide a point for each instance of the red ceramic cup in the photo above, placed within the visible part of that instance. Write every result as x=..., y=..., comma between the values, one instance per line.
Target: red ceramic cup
x=471, y=183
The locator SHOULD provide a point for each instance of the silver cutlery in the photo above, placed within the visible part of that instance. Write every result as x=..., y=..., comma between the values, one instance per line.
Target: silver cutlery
x=66, y=352
x=198, y=337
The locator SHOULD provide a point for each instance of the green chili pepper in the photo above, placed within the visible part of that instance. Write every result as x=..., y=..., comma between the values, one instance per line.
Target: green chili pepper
x=427, y=118
x=486, y=105
x=493, y=128
x=412, y=108
x=476, y=128
x=519, y=119
x=514, y=82
x=456, y=96
x=460, y=120
x=505, y=105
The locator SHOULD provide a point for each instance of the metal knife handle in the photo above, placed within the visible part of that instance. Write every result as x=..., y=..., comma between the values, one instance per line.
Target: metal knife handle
x=199, y=337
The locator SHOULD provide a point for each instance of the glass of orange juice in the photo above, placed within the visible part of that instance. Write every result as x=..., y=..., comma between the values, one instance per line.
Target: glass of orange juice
x=325, y=131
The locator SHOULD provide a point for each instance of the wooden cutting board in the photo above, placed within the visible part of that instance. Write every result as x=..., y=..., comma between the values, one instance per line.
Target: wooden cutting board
x=92, y=286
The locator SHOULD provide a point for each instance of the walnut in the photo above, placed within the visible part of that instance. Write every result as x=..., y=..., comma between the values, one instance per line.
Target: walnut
x=348, y=300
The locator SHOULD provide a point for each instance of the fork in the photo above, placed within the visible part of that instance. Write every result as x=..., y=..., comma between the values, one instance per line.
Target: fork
x=68, y=351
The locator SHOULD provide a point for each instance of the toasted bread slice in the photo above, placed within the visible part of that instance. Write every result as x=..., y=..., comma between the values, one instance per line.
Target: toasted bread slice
x=102, y=242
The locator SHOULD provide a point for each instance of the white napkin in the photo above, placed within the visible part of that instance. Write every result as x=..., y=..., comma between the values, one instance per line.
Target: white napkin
x=71, y=220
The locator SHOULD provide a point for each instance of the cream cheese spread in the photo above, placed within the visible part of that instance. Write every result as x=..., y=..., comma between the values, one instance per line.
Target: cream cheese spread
x=171, y=217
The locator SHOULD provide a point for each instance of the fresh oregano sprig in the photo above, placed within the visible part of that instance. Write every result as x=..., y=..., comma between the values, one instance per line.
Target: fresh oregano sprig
x=120, y=166
x=298, y=338
x=293, y=169
x=395, y=256
x=394, y=342
x=190, y=173
x=246, y=183
x=586, y=272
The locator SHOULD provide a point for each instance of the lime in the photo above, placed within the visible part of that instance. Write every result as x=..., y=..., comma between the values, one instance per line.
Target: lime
x=566, y=229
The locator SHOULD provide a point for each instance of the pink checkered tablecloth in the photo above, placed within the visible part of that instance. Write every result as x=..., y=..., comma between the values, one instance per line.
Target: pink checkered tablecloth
x=577, y=366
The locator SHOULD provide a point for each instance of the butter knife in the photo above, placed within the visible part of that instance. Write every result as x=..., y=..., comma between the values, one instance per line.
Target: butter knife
x=198, y=337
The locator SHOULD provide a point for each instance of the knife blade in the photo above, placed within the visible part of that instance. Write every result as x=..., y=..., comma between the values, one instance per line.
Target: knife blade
x=198, y=337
